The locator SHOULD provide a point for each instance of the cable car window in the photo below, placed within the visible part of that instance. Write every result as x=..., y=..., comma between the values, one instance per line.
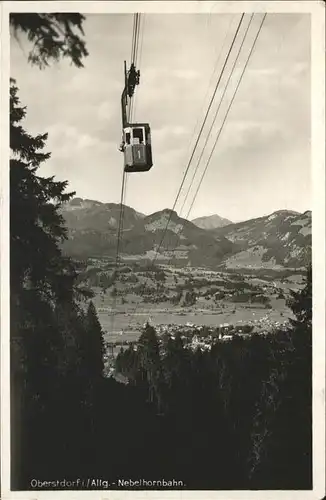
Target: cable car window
x=128, y=137
x=138, y=135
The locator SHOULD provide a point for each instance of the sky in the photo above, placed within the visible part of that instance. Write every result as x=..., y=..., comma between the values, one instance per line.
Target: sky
x=261, y=162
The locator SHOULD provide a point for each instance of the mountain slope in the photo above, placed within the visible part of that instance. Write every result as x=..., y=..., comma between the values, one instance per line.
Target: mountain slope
x=181, y=241
x=280, y=239
x=93, y=228
x=94, y=215
x=211, y=222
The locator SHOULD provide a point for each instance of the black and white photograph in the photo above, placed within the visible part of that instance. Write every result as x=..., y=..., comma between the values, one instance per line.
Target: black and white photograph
x=162, y=289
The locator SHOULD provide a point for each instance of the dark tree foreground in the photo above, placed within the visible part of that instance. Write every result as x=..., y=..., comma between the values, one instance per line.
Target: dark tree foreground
x=239, y=416
x=56, y=348
x=235, y=417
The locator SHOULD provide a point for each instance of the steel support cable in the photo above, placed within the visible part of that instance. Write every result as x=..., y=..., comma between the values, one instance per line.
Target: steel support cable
x=210, y=81
x=124, y=189
x=139, y=53
x=131, y=108
x=199, y=135
x=212, y=75
x=178, y=235
x=216, y=113
x=133, y=38
x=209, y=84
x=134, y=57
x=133, y=49
x=137, y=38
x=134, y=42
x=227, y=113
x=124, y=176
x=138, y=22
x=116, y=268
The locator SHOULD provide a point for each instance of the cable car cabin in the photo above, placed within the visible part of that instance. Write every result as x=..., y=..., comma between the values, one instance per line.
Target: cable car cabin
x=137, y=148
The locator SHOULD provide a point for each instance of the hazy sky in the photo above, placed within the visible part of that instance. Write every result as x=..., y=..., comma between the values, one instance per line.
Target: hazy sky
x=262, y=160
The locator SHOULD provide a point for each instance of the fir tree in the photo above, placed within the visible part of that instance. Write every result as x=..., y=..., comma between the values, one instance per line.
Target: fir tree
x=36, y=227
x=301, y=305
x=127, y=363
x=43, y=291
x=281, y=452
x=282, y=433
x=94, y=344
x=174, y=359
x=149, y=347
x=177, y=375
x=53, y=36
x=119, y=361
x=39, y=276
x=149, y=360
x=46, y=326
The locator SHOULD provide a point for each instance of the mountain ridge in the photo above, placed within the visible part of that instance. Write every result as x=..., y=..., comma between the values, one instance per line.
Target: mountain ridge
x=281, y=239
x=284, y=236
x=211, y=221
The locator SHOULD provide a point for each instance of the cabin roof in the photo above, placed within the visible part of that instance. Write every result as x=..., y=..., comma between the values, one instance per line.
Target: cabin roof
x=131, y=125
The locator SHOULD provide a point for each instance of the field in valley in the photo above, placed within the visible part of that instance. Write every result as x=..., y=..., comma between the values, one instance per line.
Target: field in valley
x=216, y=298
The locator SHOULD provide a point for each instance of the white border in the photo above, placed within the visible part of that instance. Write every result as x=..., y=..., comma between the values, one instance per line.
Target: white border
x=317, y=11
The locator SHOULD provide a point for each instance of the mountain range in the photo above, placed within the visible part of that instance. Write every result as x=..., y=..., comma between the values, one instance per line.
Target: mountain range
x=277, y=241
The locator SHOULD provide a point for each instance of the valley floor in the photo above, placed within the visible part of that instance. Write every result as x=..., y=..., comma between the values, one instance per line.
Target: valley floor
x=219, y=298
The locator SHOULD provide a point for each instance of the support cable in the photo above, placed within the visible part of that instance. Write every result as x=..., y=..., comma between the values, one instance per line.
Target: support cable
x=199, y=135
x=220, y=131
x=134, y=47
